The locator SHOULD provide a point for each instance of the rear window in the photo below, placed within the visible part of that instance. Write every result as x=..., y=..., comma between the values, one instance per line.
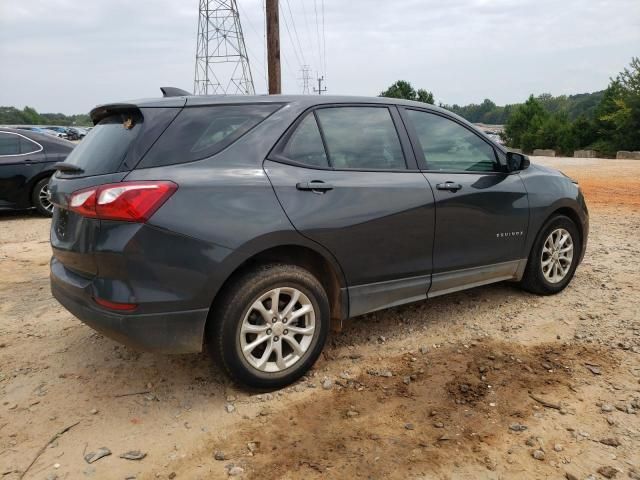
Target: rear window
x=199, y=132
x=104, y=149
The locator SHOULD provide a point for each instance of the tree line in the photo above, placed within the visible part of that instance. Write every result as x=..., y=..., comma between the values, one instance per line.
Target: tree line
x=29, y=116
x=605, y=121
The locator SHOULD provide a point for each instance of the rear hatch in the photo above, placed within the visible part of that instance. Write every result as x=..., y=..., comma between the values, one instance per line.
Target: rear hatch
x=123, y=133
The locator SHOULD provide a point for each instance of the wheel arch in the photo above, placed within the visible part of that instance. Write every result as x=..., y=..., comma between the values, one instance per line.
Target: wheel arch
x=320, y=264
x=34, y=181
x=568, y=210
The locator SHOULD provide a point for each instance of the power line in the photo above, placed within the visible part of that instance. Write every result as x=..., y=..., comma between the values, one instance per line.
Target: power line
x=315, y=7
x=260, y=63
x=295, y=30
x=295, y=51
x=308, y=29
x=324, y=42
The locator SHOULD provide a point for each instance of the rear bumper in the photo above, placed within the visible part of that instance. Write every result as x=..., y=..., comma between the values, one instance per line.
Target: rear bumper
x=170, y=332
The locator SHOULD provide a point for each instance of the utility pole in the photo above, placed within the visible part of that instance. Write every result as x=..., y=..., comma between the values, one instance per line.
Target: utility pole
x=319, y=90
x=273, y=46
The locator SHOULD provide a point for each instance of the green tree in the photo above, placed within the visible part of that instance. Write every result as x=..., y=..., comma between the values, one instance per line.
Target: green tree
x=524, y=124
x=425, y=96
x=30, y=116
x=403, y=89
x=618, y=115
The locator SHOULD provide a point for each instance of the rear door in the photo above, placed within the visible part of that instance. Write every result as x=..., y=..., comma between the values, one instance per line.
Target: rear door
x=482, y=211
x=347, y=179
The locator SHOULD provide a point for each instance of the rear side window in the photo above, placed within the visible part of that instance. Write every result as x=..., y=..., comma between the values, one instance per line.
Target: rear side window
x=27, y=146
x=305, y=145
x=199, y=132
x=104, y=149
x=361, y=138
x=9, y=144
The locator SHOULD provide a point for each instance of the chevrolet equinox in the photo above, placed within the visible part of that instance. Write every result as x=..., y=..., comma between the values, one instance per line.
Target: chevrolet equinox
x=249, y=224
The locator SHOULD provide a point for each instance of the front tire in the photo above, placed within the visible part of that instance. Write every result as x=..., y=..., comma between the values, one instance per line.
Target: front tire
x=269, y=326
x=40, y=198
x=554, y=257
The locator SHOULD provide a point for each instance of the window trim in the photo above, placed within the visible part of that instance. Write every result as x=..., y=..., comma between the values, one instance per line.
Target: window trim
x=40, y=147
x=419, y=152
x=276, y=153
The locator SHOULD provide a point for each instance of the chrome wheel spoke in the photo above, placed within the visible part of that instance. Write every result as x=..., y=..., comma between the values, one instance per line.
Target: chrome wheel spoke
x=251, y=346
x=292, y=303
x=301, y=311
x=277, y=348
x=266, y=314
x=251, y=328
x=301, y=330
x=265, y=355
x=275, y=299
x=295, y=346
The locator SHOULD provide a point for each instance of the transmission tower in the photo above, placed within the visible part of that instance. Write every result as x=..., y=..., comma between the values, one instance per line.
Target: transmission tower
x=306, y=77
x=222, y=64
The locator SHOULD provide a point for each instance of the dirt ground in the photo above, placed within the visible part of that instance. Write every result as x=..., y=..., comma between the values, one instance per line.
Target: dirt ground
x=487, y=383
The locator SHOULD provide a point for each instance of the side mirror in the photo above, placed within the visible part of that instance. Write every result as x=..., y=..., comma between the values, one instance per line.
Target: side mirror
x=517, y=161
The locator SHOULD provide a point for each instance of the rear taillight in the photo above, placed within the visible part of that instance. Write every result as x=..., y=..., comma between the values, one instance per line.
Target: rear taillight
x=124, y=307
x=126, y=201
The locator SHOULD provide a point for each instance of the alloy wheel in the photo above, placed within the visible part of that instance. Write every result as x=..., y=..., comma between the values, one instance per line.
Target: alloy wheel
x=557, y=255
x=278, y=329
x=44, y=199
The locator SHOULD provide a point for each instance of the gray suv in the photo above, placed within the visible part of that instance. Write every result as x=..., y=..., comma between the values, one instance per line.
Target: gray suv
x=251, y=224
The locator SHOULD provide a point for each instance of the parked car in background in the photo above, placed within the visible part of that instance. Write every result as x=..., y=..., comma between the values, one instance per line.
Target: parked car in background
x=26, y=165
x=251, y=223
x=61, y=131
x=41, y=130
x=76, y=133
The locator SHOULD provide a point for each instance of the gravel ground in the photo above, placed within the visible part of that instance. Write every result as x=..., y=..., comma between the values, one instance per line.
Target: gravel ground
x=487, y=383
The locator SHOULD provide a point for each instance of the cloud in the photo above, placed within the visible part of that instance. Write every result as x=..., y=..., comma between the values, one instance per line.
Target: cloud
x=63, y=55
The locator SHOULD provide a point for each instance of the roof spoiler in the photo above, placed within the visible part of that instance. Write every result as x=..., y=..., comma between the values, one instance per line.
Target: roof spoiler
x=174, y=92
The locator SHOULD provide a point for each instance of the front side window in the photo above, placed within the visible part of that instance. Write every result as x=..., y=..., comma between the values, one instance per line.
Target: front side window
x=305, y=145
x=199, y=132
x=9, y=144
x=361, y=138
x=448, y=145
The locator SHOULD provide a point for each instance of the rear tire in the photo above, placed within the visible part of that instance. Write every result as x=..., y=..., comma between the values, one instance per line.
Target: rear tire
x=554, y=257
x=40, y=198
x=262, y=347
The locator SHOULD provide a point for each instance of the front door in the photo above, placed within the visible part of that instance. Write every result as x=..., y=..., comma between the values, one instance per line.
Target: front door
x=341, y=175
x=482, y=212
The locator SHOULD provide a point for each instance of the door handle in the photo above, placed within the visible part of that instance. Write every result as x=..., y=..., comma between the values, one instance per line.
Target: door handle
x=314, y=186
x=451, y=186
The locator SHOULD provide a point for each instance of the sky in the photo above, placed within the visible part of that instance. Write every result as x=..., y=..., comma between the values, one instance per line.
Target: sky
x=70, y=55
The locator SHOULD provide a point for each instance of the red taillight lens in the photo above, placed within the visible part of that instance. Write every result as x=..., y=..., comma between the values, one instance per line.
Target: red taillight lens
x=115, y=306
x=126, y=201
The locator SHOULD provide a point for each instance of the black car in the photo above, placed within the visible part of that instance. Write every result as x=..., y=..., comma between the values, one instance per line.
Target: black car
x=249, y=224
x=26, y=164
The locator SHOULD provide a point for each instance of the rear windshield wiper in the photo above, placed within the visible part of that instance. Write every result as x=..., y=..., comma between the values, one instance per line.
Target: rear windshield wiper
x=67, y=167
